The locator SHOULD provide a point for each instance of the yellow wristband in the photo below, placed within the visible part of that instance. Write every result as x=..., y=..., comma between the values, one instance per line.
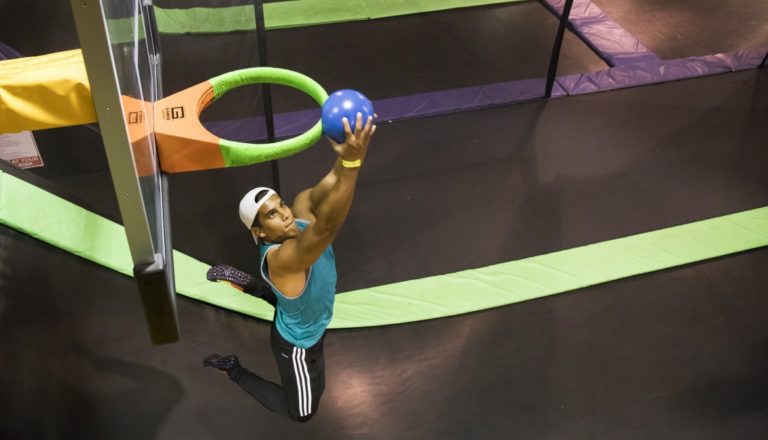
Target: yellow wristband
x=351, y=163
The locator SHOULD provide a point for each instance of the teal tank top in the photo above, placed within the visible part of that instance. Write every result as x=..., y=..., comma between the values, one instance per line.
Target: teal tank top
x=303, y=320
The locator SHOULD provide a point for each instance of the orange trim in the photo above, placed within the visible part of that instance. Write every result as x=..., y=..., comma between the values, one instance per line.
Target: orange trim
x=183, y=143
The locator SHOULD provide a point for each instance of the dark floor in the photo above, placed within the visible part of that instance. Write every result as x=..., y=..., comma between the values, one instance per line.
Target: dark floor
x=679, y=354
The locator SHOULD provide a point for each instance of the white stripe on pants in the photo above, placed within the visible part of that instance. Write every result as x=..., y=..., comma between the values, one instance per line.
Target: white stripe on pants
x=302, y=381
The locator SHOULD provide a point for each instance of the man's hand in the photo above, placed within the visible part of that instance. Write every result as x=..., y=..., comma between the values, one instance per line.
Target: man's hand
x=356, y=144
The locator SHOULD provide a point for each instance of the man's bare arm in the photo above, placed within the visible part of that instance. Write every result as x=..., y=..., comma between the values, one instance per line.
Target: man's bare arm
x=296, y=256
x=305, y=204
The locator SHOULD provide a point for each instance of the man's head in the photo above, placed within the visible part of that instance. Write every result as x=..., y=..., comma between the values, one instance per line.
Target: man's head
x=267, y=216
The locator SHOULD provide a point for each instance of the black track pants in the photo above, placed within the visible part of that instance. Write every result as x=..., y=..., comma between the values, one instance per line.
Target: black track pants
x=302, y=372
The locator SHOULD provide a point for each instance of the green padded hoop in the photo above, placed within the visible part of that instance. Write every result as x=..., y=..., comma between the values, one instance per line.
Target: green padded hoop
x=243, y=153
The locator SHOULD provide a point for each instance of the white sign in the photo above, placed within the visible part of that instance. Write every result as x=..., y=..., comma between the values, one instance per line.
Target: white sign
x=20, y=150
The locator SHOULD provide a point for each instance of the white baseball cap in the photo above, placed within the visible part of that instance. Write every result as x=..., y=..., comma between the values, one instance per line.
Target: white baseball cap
x=249, y=207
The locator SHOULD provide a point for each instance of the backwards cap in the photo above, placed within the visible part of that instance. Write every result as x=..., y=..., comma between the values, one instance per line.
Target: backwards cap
x=249, y=207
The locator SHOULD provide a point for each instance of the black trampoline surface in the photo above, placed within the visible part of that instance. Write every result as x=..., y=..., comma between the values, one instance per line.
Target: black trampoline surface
x=678, y=354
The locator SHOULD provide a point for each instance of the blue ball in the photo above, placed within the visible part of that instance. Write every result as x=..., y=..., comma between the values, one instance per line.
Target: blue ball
x=344, y=103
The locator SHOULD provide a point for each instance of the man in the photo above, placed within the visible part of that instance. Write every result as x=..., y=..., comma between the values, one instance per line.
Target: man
x=297, y=261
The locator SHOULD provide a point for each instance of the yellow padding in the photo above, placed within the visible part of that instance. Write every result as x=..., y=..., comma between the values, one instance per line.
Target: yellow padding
x=46, y=91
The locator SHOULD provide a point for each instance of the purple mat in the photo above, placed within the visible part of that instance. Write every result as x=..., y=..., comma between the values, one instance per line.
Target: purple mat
x=634, y=74
x=606, y=37
x=392, y=109
x=651, y=72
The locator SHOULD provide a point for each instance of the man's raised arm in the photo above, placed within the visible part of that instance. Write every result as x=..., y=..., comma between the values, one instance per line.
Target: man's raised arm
x=296, y=256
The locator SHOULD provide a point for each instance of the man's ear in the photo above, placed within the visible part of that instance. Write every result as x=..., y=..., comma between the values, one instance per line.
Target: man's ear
x=257, y=232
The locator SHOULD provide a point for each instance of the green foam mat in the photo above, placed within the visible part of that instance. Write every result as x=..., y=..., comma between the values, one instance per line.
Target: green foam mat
x=313, y=12
x=63, y=224
x=297, y=13
x=54, y=220
x=559, y=272
x=205, y=20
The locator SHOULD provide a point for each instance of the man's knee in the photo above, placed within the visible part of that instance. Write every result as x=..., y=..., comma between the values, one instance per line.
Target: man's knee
x=302, y=419
x=305, y=414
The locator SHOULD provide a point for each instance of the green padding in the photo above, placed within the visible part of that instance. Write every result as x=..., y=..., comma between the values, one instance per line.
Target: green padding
x=307, y=13
x=58, y=222
x=298, y=13
x=54, y=220
x=393, y=8
x=205, y=20
x=241, y=153
x=558, y=272
x=273, y=75
x=65, y=225
x=313, y=12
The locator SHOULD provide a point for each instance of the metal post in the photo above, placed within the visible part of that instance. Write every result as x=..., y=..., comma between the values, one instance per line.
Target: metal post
x=553, y=60
x=266, y=91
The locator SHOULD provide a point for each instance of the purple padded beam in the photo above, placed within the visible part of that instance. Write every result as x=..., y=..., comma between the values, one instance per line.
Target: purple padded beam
x=606, y=37
x=651, y=72
x=391, y=109
x=473, y=98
